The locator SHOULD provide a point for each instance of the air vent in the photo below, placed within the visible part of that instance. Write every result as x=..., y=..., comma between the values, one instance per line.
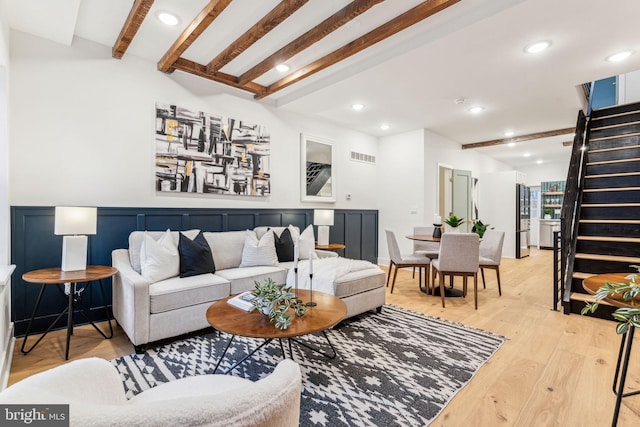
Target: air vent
x=364, y=158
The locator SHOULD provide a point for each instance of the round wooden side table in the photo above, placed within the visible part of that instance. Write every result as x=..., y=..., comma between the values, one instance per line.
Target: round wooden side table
x=55, y=276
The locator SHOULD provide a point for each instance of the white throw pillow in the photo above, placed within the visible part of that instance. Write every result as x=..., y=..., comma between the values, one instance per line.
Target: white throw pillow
x=259, y=252
x=306, y=241
x=159, y=260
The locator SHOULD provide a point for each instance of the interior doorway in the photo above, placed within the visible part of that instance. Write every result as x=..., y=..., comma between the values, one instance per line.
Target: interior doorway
x=455, y=188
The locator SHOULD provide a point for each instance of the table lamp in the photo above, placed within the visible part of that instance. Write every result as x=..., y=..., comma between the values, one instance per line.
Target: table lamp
x=74, y=223
x=323, y=218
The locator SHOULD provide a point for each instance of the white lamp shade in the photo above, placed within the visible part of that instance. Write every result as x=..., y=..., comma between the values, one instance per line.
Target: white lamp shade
x=75, y=220
x=323, y=216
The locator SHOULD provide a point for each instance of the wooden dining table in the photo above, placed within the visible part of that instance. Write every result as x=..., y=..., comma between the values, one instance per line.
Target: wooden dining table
x=423, y=237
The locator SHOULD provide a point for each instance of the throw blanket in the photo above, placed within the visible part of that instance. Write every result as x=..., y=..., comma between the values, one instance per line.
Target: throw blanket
x=325, y=272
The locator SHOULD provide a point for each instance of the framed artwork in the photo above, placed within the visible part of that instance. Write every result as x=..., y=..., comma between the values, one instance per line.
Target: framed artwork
x=198, y=152
x=317, y=178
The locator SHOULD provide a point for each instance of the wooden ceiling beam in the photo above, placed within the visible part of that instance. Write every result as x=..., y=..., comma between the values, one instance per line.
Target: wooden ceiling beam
x=138, y=12
x=271, y=20
x=312, y=36
x=399, y=23
x=521, y=138
x=211, y=11
x=201, y=70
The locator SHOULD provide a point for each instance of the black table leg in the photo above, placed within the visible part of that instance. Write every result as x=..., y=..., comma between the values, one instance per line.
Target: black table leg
x=623, y=375
x=72, y=292
x=33, y=315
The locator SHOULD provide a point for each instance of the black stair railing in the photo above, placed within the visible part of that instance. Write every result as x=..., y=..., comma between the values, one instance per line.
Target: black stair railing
x=570, y=214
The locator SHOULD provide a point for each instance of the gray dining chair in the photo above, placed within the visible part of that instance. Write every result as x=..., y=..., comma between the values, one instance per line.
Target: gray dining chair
x=397, y=260
x=491, y=254
x=428, y=249
x=459, y=256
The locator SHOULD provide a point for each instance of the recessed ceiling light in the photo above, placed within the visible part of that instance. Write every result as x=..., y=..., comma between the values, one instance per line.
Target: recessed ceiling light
x=357, y=107
x=476, y=110
x=283, y=68
x=384, y=126
x=537, y=47
x=620, y=56
x=527, y=154
x=167, y=18
x=539, y=162
x=511, y=144
x=509, y=133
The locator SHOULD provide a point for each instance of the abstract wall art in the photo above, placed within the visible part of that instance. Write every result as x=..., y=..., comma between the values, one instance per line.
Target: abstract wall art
x=198, y=152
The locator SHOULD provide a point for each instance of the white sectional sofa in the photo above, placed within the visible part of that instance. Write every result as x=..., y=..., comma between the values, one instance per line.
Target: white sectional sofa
x=150, y=310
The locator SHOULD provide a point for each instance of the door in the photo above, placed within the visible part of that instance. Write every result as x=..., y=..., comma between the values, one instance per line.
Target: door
x=461, y=197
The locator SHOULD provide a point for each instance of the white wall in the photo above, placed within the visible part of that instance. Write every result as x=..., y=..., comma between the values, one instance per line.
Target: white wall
x=82, y=132
x=552, y=171
x=4, y=139
x=408, y=181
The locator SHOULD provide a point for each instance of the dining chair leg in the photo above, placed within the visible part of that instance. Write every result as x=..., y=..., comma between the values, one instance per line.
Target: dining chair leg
x=389, y=272
x=393, y=283
x=498, y=276
x=464, y=285
x=441, y=279
x=433, y=280
x=475, y=288
x=419, y=277
x=482, y=272
x=413, y=275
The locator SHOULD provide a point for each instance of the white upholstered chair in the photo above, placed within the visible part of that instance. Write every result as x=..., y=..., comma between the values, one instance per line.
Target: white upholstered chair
x=428, y=249
x=95, y=392
x=491, y=254
x=459, y=256
x=397, y=260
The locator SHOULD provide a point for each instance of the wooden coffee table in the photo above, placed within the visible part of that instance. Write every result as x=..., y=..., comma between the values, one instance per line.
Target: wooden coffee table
x=237, y=322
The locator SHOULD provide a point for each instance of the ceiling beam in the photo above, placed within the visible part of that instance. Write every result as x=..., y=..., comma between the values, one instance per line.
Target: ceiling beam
x=567, y=143
x=399, y=23
x=136, y=16
x=521, y=138
x=210, y=12
x=312, y=36
x=201, y=70
x=271, y=20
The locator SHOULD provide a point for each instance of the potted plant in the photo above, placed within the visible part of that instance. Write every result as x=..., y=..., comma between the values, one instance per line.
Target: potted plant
x=627, y=316
x=453, y=222
x=479, y=228
x=274, y=301
x=547, y=213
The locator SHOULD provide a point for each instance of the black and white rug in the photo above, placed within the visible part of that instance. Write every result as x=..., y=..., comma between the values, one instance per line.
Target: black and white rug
x=394, y=368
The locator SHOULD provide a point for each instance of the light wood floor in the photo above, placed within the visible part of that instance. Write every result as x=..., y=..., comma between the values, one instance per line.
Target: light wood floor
x=554, y=370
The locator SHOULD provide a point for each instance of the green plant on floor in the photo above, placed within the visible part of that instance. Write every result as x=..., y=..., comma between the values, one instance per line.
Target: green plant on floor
x=453, y=221
x=627, y=316
x=479, y=228
x=275, y=300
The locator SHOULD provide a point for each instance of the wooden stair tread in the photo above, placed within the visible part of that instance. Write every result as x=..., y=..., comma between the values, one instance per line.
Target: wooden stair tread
x=610, y=162
x=622, y=147
x=610, y=239
x=625, y=113
x=598, y=190
x=605, y=138
x=580, y=275
x=610, y=205
x=577, y=296
x=610, y=175
x=613, y=258
x=610, y=221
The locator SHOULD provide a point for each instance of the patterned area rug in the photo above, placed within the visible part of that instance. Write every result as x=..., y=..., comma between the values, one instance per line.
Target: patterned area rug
x=394, y=368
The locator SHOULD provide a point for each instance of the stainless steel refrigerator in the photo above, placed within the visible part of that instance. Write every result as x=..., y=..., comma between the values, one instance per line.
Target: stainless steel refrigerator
x=523, y=220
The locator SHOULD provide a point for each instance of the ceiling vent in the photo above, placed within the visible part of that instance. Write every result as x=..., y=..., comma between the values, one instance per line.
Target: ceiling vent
x=364, y=158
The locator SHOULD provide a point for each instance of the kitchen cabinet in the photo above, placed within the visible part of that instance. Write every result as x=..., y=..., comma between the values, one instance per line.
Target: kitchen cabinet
x=552, y=197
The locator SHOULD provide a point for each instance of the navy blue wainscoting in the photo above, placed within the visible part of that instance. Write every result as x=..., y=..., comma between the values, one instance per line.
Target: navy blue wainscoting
x=34, y=246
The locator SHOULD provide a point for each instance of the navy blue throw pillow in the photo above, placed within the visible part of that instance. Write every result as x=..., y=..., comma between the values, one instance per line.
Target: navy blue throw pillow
x=195, y=256
x=284, y=246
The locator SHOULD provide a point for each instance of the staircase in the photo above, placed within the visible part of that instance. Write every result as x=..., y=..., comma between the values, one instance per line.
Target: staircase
x=608, y=235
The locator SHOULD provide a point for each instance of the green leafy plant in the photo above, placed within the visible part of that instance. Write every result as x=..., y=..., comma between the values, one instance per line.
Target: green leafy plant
x=547, y=211
x=453, y=221
x=479, y=228
x=275, y=301
x=627, y=316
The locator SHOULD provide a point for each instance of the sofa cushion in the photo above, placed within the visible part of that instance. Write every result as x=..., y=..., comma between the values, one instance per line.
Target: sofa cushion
x=359, y=281
x=135, y=244
x=306, y=242
x=179, y=292
x=243, y=279
x=258, y=252
x=226, y=247
x=284, y=246
x=195, y=256
x=159, y=259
